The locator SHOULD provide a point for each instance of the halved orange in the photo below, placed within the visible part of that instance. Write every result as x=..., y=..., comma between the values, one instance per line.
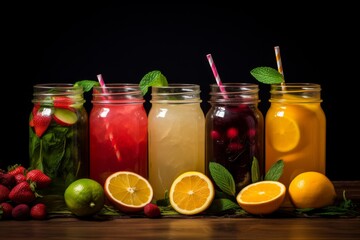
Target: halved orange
x=128, y=191
x=262, y=197
x=191, y=193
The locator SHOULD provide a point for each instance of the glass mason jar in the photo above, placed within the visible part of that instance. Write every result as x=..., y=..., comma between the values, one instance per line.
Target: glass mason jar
x=235, y=131
x=58, y=134
x=118, y=131
x=295, y=130
x=176, y=135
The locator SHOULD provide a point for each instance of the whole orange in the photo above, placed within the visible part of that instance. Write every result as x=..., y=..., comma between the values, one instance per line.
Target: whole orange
x=311, y=190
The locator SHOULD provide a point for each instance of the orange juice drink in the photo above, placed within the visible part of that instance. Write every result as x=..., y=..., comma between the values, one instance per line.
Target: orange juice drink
x=295, y=130
x=176, y=135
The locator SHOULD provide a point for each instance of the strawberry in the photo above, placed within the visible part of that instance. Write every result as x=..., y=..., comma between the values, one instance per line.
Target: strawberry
x=41, y=179
x=22, y=193
x=16, y=169
x=4, y=193
x=41, y=121
x=20, y=178
x=6, y=210
x=63, y=102
x=152, y=210
x=38, y=211
x=7, y=180
x=21, y=212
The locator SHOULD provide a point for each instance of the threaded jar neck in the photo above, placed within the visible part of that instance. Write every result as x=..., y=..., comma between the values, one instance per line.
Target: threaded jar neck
x=47, y=93
x=234, y=93
x=295, y=93
x=117, y=93
x=176, y=93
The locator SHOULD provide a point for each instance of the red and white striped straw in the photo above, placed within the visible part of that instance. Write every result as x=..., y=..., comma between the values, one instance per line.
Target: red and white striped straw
x=101, y=81
x=278, y=60
x=215, y=72
x=107, y=125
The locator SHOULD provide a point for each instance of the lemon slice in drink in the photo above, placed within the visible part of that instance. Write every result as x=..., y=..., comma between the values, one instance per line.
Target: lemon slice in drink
x=284, y=133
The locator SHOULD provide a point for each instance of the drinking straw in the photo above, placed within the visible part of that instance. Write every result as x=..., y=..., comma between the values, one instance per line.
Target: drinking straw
x=278, y=62
x=215, y=72
x=107, y=126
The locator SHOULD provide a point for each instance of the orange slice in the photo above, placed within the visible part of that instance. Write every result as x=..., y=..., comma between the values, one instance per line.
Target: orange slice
x=262, y=197
x=191, y=193
x=284, y=133
x=128, y=191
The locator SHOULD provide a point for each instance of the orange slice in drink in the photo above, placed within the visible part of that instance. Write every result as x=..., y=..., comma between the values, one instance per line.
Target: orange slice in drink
x=191, y=193
x=128, y=191
x=262, y=197
x=284, y=133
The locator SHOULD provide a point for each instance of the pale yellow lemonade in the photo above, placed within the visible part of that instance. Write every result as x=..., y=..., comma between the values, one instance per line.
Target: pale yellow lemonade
x=295, y=131
x=176, y=143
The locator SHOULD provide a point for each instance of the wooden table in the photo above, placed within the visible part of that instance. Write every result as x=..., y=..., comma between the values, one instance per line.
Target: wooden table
x=192, y=227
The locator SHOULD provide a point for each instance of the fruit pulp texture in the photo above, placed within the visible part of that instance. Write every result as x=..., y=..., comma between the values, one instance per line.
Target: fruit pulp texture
x=62, y=152
x=301, y=150
x=234, y=136
x=176, y=143
x=118, y=140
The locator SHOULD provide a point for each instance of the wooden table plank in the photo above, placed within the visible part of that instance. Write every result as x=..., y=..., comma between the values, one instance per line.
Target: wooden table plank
x=210, y=228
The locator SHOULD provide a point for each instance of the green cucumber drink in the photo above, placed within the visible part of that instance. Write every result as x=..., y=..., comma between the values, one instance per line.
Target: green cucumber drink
x=58, y=134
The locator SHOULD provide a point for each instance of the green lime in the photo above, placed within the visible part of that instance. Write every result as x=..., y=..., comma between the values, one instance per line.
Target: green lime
x=84, y=197
x=153, y=78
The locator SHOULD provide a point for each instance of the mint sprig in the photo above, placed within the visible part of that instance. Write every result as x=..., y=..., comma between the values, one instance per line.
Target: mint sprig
x=267, y=75
x=153, y=78
x=87, y=84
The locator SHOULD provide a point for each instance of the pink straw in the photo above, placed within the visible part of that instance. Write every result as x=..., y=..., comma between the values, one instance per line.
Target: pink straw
x=215, y=72
x=101, y=81
x=111, y=136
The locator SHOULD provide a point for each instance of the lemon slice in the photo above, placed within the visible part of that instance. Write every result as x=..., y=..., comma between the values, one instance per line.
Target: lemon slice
x=284, y=133
x=128, y=191
x=191, y=193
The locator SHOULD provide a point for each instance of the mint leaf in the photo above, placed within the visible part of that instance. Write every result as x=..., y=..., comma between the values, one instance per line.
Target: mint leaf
x=87, y=84
x=222, y=204
x=267, y=75
x=275, y=171
x=223, y=178
x=153, y=78
x=255, y=171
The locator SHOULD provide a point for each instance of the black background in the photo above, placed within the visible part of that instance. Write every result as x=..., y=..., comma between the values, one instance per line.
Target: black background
x=66, y=43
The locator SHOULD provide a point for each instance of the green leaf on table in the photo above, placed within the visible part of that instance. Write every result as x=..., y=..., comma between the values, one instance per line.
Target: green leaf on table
x=153, y=78
x=222, y=178
x=255, y=171
x=344, y=208
x=275, y=171
x=87, y=84
x=267, y=75
x=221, y=205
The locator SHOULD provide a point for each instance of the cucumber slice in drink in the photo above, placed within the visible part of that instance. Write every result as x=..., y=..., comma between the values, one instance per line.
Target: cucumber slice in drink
x=64, y=117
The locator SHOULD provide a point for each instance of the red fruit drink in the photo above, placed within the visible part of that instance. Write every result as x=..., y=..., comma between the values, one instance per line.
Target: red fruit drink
x=235, y=131
x=118, y=131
